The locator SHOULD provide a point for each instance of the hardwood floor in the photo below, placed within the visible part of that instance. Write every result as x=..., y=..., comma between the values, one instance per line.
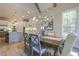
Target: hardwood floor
x=15, y=49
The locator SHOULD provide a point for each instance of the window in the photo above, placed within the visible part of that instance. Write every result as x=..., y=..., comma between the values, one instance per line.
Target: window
x=69, y=22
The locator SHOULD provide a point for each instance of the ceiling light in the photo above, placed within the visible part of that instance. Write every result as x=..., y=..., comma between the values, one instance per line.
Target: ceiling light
x=33, y=18
x=28, y=12
x=45, y=17
x=42, y=27
x=9, y=29
x=39, y=16
x=23, y=16
x=34, y=28
x=36, y=20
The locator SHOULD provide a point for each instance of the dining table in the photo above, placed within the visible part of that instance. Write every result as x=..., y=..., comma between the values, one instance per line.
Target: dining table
x=53, y=41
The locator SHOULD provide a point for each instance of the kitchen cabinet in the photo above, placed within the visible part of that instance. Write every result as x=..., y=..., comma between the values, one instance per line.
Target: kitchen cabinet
x=15, y=37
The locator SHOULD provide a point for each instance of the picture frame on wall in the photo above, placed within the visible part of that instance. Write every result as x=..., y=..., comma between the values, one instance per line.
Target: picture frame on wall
x=48, y=25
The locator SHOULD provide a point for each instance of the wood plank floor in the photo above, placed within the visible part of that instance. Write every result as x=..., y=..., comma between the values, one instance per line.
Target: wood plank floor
x=15, y=49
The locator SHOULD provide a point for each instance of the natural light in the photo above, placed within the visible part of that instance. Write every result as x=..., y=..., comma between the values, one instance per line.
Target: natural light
x=69, y=22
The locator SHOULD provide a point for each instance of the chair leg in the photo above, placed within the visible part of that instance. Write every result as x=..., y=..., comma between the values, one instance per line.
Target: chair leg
x=47, y=54
x=32, y=52
x=40, y=53
x=58, y=54
x=56, y=50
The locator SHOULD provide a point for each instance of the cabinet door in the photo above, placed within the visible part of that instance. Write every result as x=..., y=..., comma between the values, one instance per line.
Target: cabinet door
x=15, y=37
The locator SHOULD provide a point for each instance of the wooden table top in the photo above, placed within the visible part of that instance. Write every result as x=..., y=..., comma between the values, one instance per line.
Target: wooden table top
x=52, y=40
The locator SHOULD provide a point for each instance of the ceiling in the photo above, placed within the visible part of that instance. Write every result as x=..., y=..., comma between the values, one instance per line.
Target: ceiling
x=11, y=11
x=17, y=11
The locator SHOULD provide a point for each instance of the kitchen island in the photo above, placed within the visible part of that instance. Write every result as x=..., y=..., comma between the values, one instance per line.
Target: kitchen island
x=15, y=37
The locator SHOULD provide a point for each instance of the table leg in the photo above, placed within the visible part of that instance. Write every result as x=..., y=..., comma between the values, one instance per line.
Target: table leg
x=56, y=50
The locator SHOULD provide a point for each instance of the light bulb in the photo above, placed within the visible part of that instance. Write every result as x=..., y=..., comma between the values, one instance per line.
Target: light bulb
x=39, y=16
x=23, y=16
x=33, y=18
x=36, y=20
x=28, y=12
x=45, y=17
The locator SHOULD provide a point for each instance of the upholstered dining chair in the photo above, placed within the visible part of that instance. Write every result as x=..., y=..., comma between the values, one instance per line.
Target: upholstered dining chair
x=36, y=46
x=27, y=42
x=68, y=44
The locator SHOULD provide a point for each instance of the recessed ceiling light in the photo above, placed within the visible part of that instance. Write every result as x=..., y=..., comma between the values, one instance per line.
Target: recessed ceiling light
x=39, y=16
x=33, y=18
x=28, y=12
x=36, y=20
x=23, y=16
x=14, y=19
x=45, y=17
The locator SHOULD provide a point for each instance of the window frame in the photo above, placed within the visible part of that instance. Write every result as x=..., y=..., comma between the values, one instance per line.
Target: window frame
x=63, y=20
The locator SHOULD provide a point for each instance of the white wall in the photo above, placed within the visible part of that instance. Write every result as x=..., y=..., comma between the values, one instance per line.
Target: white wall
x=77, y=30
x=34, y=23
x=58, y=17
x=58, y=23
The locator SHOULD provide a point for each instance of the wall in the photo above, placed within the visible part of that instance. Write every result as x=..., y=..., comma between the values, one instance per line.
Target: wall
x=34, y=23
x=58, y=23
x=58, y=17
x=56, y=11
x=77, y=30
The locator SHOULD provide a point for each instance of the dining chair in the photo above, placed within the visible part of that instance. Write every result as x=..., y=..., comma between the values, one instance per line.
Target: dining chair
x=58, y=49
x=36, y=45
x=27, y=48
x=26, y=42
x=68, y=44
